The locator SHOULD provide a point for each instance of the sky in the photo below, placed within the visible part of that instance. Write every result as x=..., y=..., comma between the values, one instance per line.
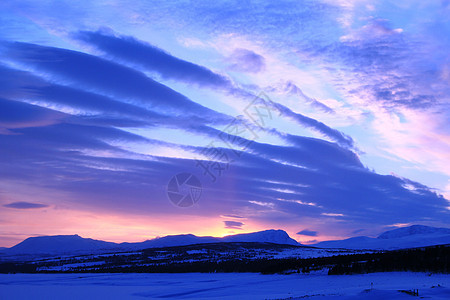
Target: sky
x=327, y=119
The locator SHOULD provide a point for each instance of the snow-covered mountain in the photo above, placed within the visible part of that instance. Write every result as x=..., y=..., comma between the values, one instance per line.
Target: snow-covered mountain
x=400, y=238
x=414, y=230
x=58, y=244
x=74, y=244
x=170, y=241
x=266, y=236
x=407, y=237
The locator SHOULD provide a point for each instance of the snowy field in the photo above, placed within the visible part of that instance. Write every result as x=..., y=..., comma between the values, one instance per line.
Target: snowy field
x=222, y=286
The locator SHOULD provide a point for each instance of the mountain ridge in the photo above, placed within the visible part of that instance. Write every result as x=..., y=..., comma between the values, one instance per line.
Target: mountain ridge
x=399, y=238
x=62, y=244
x=413, y=230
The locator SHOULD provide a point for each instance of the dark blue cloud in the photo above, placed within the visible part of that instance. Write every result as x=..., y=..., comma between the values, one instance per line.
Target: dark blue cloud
x=333, y=134
x=15, y=114
x=319, y=177
x=233, y=216
x=24, y=85
x=106, y=77
x=233, y=224
x=138, y=52
x=153, y=58
x=323, y=176
x=25, y=205
x=80, y=153
x=307, y=232
x=325, y=184
x=314, y=124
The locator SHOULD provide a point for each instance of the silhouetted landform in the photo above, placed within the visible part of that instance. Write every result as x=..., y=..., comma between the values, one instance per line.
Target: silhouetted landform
x=74, y=244
x=401, y=238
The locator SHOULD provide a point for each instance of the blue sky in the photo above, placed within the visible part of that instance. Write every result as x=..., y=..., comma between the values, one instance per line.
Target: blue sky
x=102, y=103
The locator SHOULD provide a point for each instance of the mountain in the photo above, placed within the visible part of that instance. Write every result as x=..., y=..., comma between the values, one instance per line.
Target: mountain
x=170, y=241
x=400, y=238
x=74, y=244
x=267, y=236
x=413, y=230
x=58, y=244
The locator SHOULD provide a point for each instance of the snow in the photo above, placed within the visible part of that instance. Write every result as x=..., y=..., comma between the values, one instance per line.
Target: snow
x=266, y=236
x=91, y=262
x=311, y=253
x=400, y=238
x=413, y=230
x=58, y=244
x=201, y=251
x=418, y=240
x=222, y=286
x=67, y=267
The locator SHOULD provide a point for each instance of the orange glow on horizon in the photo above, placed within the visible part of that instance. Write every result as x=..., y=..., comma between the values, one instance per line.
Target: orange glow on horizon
x=107, y=227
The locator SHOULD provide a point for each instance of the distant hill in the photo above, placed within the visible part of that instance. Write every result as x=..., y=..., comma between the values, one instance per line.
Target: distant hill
x=169, y=241
x=58, y=244
x=414, y=230
x=74, y=244
x=405, y=237
x=266, y=236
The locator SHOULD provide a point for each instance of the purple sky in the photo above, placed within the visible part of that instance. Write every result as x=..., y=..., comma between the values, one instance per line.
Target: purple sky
x=327, y=119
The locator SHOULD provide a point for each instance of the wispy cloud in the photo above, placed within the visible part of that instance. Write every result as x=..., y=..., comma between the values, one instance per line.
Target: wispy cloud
x=233, y=224
x=150, y=57
x=109, y=78
x=25, y=205
x=126, y=48
x=307, y=232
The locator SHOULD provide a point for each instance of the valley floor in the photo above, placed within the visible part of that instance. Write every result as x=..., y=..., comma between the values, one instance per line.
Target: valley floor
x=222, y=286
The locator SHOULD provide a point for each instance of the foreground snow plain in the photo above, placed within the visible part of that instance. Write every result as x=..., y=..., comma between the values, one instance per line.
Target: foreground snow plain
x=223, y=286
